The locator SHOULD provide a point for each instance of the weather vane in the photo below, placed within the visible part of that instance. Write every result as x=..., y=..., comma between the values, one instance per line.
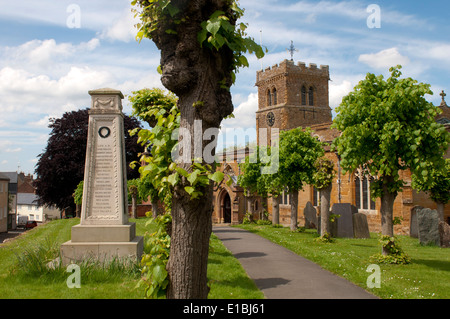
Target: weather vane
x=292, y=50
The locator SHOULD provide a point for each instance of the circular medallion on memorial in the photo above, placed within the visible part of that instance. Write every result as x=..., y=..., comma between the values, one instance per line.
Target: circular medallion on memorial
x=104, y=132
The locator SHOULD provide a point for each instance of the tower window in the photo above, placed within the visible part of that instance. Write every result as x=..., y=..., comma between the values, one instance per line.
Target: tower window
x=311, y=96
x=269, y=98
x=274, y=95
x=303, y=95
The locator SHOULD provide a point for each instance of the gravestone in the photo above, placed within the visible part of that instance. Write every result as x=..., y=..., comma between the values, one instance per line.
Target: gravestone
x=345, y=222
x=444, y=234
x=360, y=226
x=428, y=226
x=310, y=216
x=104, y=231
x=413, y=228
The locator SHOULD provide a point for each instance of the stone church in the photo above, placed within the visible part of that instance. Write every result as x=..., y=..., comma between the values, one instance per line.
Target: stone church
x=292, y=95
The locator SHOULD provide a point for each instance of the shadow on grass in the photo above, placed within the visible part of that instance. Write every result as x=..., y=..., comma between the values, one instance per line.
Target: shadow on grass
x=238, y=282
x=436, y=264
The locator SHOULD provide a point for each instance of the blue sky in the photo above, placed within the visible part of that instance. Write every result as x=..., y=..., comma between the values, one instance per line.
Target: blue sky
x=48, y=64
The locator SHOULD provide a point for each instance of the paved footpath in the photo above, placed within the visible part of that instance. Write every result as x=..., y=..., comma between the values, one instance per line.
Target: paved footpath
x=281, y=274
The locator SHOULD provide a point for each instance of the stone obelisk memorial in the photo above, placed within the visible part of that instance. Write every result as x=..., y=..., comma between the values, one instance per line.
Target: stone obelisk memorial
x=104, y=231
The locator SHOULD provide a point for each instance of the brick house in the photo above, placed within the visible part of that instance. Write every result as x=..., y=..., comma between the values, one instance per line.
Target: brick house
x=292, y=95
x=4, y=203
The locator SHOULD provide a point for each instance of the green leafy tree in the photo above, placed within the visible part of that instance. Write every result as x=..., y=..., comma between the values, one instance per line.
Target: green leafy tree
x=265, y=185
x=159, y=109
x=389, y=126
x=323, y=181
x=202, y=47
x=439, y=190
x=299, y=151
x=251, y=179
x=78, y=194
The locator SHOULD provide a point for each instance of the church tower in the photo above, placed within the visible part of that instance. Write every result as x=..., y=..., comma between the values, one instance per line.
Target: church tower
x=292, y=95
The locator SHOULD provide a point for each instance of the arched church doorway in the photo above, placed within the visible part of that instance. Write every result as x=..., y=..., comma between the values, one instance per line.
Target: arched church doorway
x=226, y=206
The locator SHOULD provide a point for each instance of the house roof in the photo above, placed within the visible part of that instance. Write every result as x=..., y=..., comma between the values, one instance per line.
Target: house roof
x=27, y=199
x=4, y=177
x=12, y=176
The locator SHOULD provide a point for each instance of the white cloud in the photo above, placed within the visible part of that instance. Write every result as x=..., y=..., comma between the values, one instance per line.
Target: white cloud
x=338, y=91
x=122, y=29
x=4, y=162
x=244, y=114
x=24, y=91
x=350, y=9
x=384, y=59
x=431, y=50
x=94, y=15
x=45, y=53
x=13, y=150
x=354, y=10
x=42, y=123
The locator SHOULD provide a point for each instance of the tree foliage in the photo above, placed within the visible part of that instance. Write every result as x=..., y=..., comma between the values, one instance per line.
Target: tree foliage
x=159, y=109
x=252, y=180
x=156, y=255
x=324, y=173
x=218, y=31
x=439, y=189
x=151, y=104
x=299, y=151
x=389, y=126
x=60, y=168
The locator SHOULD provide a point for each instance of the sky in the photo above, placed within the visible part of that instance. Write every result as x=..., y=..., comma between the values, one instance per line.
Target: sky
x=53, y=52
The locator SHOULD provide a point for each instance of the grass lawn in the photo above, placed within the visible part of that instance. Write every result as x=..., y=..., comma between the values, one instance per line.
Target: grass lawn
x=227, y=278
x=427, y=276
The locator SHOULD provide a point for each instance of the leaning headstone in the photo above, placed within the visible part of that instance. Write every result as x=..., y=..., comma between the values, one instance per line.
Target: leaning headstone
x=444, y=234
x=104, y=231
x=360, y=226
x=428, y=226
x=310, y=216
x=413, y=229
x=345, y=221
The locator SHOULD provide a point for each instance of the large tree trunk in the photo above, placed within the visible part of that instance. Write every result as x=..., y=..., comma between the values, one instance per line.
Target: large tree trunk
x=191, y=229
x=387, y=212
x=201, y=78
x=276, y=210
x=325, y=195
x=293, y=199
x=78, y=210
x=134, y=205
x=249, y=209
x=155, y=208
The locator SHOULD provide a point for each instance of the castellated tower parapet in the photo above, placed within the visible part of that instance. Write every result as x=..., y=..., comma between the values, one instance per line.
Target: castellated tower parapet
x=294, y=95
x=290, y=66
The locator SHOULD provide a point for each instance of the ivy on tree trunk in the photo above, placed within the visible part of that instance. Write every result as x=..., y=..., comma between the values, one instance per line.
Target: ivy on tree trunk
x=199, y=68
